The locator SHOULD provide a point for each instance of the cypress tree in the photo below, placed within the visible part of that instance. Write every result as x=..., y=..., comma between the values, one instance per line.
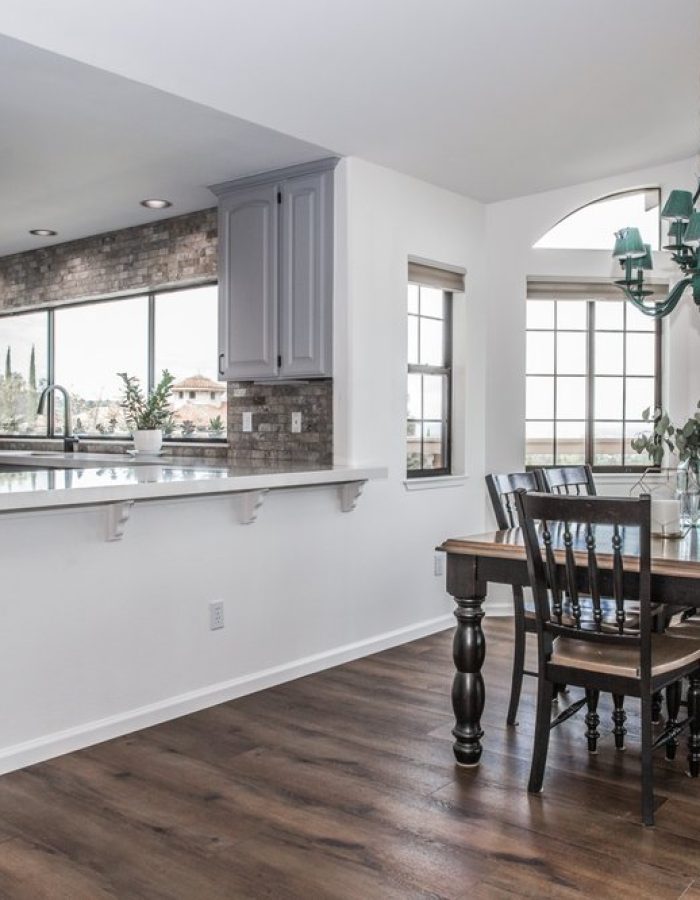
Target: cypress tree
x=8, y=364
x=32, y=370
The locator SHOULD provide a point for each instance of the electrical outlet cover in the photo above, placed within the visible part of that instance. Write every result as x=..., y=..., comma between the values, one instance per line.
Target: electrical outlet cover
x=216, y=615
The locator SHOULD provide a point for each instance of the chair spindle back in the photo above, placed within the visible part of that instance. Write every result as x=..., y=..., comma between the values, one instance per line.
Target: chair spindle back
x=576, y=480
x=502, y=490
x=581, y=545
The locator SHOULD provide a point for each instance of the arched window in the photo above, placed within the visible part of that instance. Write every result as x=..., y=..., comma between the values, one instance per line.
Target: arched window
x=593, y=226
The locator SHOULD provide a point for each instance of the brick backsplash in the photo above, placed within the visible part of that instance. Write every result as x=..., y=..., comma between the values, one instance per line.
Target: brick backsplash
x=271, y=440
x=168, y=252
x=156, y=255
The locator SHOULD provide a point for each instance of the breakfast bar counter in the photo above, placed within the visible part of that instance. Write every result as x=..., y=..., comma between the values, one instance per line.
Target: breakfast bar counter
x=63, y=481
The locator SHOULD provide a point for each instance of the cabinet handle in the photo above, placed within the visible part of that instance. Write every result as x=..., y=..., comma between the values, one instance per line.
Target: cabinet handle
x=221, y=363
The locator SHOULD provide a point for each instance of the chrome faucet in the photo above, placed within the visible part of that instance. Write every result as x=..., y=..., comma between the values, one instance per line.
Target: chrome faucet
x=70, y=441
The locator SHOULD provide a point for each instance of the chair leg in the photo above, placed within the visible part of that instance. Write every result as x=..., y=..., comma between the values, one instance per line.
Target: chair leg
x=656, y=704
x=619, y=717
x=694, y=716
x=558, y=688
x=518, y=655
x=647, y=764
x=673, y=705
x=592, y=719
x=541, y=745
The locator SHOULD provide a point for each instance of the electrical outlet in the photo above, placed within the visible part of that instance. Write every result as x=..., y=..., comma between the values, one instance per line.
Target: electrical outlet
x=247, y=421
x=216, y=615
x=296, y=423
x=439, y=564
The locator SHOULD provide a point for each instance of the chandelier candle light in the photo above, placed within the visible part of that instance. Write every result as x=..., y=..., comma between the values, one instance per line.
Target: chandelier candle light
x=684, y=243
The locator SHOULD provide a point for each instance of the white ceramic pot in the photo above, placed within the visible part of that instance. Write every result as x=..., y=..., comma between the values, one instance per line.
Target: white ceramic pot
x=149, y=441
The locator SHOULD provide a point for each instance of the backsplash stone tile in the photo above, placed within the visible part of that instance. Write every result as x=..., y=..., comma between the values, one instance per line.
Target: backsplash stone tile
x=157, y=255
x=271, y=440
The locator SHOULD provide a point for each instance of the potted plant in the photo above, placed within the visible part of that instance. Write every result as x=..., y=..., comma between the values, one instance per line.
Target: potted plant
x=683, y=440
x=216, y=426
x=655, y=443
x=147, y=416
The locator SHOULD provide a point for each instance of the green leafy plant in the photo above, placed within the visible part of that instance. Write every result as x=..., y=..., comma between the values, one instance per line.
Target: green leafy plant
x=216, y=426
x=188, y=427
x=655, y=442
x=146, y=413
x=683, y=440
x=687, y=440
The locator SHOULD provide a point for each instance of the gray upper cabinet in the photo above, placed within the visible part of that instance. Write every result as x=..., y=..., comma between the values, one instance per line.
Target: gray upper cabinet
x=248, y=275
x=276, y=274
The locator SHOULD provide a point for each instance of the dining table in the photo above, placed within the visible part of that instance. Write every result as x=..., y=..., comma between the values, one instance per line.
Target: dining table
x=498, y=557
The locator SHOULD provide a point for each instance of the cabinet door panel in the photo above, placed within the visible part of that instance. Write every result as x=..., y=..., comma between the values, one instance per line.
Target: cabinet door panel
x=248, y=248
x=306, y=277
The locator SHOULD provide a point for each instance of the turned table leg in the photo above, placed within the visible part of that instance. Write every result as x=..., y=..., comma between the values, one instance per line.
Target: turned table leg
x=469, y=650
x=694, y=733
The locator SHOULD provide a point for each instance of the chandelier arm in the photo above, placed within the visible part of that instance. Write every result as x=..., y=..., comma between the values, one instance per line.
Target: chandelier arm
x=658, y=310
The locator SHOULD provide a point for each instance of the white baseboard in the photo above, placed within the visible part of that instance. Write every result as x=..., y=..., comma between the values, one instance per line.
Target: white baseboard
x=18, y=756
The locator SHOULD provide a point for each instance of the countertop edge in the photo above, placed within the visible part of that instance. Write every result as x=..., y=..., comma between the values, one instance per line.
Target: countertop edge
x=103, y=494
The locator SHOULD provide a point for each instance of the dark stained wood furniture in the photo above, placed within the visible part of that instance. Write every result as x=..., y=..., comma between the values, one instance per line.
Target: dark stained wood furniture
x=502, y=490
x=567, y=480
x=499, y=557
x=571, y=648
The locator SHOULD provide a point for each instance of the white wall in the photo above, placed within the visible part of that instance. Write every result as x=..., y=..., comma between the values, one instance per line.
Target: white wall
x=513, y=227
x=100, y=638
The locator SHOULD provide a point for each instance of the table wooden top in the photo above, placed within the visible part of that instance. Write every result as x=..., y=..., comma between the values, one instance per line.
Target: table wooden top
x=678, y=557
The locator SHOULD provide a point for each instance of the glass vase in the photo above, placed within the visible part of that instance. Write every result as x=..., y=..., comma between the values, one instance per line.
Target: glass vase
x=688, y=491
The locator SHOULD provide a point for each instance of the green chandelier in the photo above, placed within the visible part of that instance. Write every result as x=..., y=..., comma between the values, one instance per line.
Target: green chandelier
x=684, y=243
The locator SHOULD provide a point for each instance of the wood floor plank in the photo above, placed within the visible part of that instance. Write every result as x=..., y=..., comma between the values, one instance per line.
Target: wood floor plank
x=343, y=785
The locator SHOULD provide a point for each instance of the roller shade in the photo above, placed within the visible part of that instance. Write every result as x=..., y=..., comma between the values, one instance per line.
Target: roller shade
x=603, y=289
x=434, y=276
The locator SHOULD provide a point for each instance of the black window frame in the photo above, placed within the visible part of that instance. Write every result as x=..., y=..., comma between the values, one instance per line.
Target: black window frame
x=446, y=372
x=51, y=309
x=591, y=375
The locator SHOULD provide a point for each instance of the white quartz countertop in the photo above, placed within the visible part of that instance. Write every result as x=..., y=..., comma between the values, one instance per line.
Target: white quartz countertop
x=47, y=488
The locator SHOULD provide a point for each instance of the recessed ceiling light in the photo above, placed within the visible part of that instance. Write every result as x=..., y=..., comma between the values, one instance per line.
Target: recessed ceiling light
x=156, y=204
x=43, y=232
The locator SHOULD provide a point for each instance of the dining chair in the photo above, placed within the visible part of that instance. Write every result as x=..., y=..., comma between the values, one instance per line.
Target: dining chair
x=578, y=480
x=601, y=545
x=502, y=490
x=567, y=480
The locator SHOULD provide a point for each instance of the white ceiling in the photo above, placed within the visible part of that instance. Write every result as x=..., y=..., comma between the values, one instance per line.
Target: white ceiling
x=150, y=99
x=492, y=99
x=80, y=147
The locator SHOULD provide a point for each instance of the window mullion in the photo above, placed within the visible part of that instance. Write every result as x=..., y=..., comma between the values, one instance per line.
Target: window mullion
x=50, y=372
x=590, y=387
x=554, y=384
x=151, y=342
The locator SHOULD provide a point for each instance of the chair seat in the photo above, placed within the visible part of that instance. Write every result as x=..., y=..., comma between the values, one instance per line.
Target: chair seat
x=689, y=628
x=667, y=653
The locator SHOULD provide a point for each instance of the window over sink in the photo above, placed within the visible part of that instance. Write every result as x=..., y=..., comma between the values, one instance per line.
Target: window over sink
x=82, y=346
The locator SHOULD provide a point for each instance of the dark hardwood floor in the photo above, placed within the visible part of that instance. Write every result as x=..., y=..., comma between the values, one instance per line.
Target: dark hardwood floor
x=343, y=785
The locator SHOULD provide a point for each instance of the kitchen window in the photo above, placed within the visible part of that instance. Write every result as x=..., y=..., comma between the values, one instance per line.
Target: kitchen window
x=429, y=388
x=592, y=367
x=83, y=346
